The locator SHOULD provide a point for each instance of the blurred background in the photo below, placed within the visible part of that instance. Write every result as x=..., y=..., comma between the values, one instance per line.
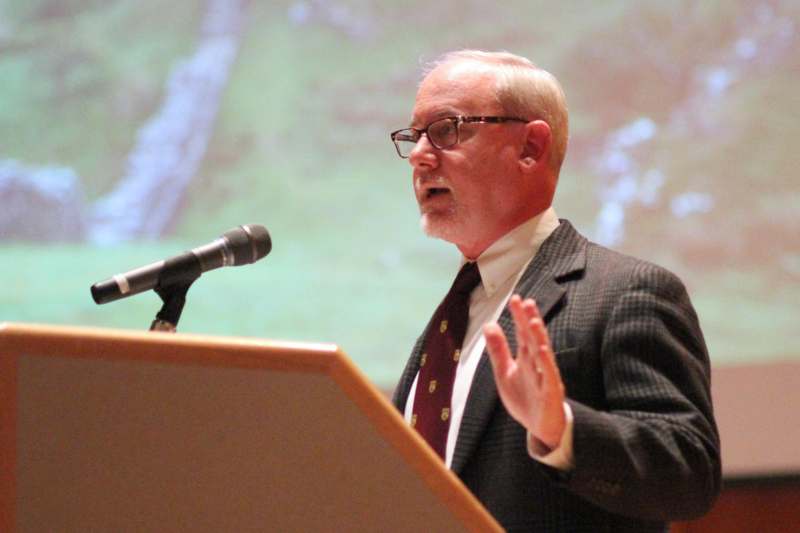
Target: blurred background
x=133, y=130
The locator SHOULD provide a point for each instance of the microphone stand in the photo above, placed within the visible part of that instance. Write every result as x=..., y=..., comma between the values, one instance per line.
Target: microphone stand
x=174, y=298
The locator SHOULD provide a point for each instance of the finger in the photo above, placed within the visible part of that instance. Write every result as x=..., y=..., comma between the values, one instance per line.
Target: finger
x=529, y=307
x=541, y=329
x=499, y=352
x=530, y=311
x=520, y=319
x=520, y=311
x=529, y=343
x=540, y=335
x=545, y=359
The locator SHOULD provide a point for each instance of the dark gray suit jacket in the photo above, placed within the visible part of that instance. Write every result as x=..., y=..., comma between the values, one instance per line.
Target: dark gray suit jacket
x=636, y=372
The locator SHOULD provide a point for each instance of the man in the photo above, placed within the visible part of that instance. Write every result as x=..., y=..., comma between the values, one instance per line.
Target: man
x=590, y=409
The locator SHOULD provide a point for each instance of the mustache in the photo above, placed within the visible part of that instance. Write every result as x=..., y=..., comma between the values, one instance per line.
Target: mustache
x=430, y=180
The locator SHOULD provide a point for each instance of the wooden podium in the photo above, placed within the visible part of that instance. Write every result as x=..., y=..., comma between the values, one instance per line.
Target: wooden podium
x=108, y=430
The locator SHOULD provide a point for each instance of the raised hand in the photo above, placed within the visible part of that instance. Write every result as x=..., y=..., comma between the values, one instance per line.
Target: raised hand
x=530, y=386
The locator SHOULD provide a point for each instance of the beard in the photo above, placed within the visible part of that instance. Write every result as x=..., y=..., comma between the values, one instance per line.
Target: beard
x=447, y=225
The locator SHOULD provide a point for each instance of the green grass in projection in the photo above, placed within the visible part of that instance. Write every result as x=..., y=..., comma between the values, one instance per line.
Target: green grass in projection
x=300, y=145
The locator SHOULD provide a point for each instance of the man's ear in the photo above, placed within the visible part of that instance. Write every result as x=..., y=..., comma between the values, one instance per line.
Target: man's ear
x=536, y=146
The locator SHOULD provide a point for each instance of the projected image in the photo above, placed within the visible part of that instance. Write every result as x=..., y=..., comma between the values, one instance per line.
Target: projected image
x=131, y=131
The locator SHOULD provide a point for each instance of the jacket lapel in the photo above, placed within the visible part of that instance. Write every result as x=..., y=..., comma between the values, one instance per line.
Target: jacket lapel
x=400, y=395
x=561, y=255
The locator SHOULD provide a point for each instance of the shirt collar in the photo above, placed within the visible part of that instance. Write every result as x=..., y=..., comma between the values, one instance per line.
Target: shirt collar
x=511, y=252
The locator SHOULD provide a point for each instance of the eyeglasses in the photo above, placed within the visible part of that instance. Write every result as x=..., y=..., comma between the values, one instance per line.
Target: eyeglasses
x=442, y=133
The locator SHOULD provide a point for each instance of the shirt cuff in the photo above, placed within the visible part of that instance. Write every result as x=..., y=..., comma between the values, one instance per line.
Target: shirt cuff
x=561, y=457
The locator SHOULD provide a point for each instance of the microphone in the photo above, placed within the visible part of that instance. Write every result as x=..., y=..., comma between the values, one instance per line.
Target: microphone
x=240, y=246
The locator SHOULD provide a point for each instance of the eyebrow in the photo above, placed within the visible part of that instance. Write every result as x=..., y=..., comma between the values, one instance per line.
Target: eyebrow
x=442, y=113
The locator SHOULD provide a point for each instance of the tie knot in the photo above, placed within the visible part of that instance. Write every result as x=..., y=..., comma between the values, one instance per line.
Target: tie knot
x=467, y=279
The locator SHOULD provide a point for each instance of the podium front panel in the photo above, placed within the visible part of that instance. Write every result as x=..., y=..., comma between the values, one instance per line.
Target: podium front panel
x=106, y=442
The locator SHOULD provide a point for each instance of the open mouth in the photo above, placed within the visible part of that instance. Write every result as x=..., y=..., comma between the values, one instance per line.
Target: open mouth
x=435, y=191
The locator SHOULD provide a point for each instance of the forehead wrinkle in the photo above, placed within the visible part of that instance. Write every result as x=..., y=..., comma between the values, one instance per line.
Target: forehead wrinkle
x=458, y=88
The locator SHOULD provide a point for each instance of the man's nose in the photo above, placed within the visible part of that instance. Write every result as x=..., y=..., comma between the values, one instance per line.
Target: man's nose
x=423, y=154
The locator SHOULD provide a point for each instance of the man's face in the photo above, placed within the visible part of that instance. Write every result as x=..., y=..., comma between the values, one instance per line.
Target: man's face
x=472, y=193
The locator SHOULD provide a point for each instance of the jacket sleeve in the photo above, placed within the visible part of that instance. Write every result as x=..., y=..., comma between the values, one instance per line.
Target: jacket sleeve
x=653, y=450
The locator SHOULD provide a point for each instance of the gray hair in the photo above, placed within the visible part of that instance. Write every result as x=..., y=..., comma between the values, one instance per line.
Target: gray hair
x=523, y=90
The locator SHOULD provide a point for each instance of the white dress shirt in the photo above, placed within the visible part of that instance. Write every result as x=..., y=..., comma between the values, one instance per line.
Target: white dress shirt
x=501, y=266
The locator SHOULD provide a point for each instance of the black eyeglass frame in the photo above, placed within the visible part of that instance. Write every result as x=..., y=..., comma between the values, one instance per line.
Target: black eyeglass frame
x=458, y=120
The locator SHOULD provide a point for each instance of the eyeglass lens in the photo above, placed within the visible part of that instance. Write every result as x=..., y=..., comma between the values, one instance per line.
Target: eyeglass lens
x=441, y=133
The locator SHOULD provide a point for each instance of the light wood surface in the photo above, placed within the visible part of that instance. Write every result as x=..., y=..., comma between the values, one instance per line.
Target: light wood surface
x=110, y=430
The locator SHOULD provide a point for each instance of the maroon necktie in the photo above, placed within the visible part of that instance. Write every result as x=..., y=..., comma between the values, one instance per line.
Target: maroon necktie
x=437, y=367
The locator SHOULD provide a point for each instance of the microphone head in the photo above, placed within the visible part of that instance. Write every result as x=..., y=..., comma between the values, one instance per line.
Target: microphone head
x=248, y=243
